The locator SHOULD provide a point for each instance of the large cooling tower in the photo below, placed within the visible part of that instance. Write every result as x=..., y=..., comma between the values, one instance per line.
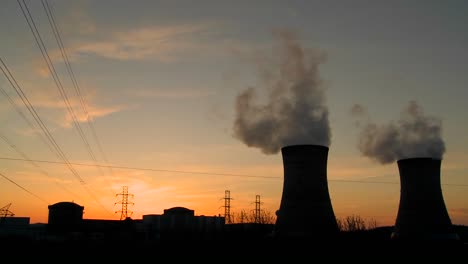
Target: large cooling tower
x=422, y=214
x=306, y=209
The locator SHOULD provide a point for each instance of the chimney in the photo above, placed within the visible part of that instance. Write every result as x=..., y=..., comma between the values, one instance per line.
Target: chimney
x=306, y=210
x=422, y=214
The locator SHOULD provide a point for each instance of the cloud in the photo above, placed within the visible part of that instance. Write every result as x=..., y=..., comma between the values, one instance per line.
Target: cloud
x=44, y=100
x=296, y=110
x=76, y=22
x=146, y=43
x=415, y=134
x=166, y=43
x=94, y=112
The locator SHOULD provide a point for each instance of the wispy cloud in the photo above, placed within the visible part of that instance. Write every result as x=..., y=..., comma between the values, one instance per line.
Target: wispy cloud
x=65, y=119
x=146, y=43
x=75, y=23
x=94, y=112
x=162, y=43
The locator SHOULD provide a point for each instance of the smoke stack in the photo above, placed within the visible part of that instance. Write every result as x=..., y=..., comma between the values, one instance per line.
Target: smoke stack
x=306, y=209
x=422, y=214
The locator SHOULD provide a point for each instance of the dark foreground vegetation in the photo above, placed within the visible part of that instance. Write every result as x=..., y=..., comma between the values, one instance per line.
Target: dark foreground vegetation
x=374, y=245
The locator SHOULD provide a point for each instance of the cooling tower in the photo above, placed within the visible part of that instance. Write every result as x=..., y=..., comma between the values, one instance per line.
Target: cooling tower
x=422, y=214
x=305, y=210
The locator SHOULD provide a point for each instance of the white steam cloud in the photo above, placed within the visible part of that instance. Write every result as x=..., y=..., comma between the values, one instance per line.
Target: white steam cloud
x=414, y=135
x=295, y=111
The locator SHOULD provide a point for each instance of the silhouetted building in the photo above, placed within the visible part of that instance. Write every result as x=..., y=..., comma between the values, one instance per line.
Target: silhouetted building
x=305, y=209
x=111, y=230
x=152, y=226
x=209, y=226
x=178, y=218
x=65, y=216
x=14, y=221
x=181, y=222
x=14, y=226
x=422, y=214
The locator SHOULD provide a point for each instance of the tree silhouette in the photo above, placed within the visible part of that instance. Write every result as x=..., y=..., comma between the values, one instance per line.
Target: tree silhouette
x=353, y=223
x=243, y=217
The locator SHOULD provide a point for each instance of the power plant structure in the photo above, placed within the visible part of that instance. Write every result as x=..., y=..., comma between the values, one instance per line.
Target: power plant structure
x=65, y=216
x=422, y=214
x=306, y=210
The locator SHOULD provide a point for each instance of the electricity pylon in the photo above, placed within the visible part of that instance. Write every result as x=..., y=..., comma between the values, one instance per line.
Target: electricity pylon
x=227, y=206
x=124, y=213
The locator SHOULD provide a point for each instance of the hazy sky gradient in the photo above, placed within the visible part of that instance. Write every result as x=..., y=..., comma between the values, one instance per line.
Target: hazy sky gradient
x=161, y=79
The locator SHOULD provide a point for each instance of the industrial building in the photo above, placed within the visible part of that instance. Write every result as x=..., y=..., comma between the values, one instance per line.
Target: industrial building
x=305, y=211
x=14, y=226
x=181, y=222
x=66, y=222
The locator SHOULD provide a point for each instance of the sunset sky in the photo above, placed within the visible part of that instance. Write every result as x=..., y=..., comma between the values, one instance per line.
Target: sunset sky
x=160, y=81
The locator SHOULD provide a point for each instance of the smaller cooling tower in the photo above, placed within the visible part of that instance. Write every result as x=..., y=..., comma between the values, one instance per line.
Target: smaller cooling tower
x=305, y=210
x=422, y=214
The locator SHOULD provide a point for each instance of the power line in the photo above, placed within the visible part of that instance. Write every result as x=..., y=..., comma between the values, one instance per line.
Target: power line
x=58, y=38
x=24, y=189
x=19, y=151
x=58, y=151
x=50, y=66
x=12, y=82
x=210, y=173
x=63, y=51
x=23, y=116
x=151, y=169
x=73, y=77
x=19, y=91
x=45, y=54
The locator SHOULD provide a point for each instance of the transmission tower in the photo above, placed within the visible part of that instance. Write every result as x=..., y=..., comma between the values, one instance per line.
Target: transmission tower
x=227, y=206
x=257, y=209
x=124, y=213
x=5, y=212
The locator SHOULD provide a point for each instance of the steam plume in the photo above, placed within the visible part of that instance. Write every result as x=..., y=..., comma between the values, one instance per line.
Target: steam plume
x=295, y=110
x=413, y=135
